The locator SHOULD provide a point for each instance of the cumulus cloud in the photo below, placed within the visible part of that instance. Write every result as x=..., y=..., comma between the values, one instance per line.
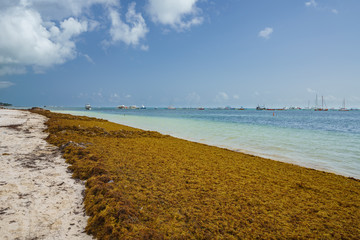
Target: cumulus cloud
x=43, y=33
x=39, y=34
x=130, y=32
x=265, y=33
x=311, y=3
x=5, y=84
x=26, y=40
x=180, y=15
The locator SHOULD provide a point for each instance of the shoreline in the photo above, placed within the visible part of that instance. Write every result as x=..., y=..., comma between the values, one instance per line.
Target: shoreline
x=272, y=156
x=143, y=184
x=39, y=199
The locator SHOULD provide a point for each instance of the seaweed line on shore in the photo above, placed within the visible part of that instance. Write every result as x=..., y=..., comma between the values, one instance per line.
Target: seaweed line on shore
x=144, y=185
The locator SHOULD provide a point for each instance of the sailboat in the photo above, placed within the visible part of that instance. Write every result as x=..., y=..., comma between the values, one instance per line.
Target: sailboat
x=343, y=107
x=260, y=107
x=322, y=104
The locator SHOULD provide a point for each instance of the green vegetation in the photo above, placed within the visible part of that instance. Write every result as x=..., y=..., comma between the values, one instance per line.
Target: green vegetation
x=144, y=185
x=2, y=104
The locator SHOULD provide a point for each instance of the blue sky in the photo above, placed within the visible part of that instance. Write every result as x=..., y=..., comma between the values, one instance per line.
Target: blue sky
x=182, y=53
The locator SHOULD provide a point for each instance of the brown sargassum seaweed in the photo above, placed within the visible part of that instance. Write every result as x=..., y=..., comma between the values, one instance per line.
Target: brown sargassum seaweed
x=144, y=185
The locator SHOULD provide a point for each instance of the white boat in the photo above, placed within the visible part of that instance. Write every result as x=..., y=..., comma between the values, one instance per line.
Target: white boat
x=88, y=107
x=343, y=107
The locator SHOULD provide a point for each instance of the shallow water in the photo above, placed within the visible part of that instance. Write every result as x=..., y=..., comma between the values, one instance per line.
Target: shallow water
x=326, y=141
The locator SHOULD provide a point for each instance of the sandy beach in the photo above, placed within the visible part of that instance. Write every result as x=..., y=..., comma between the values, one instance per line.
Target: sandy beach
x=38, y=197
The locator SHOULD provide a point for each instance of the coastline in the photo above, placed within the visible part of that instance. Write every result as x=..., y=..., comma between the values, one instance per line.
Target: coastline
x=311, y=149
x=38, y=197
x=142, y=183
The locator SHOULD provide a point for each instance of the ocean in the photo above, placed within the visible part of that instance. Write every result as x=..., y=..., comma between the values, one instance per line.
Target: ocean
x=327, y=141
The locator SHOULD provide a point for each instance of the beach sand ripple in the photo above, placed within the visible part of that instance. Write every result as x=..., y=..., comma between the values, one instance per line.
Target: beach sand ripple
x=38, y=197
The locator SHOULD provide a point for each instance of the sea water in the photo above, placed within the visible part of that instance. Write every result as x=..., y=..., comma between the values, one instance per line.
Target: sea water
x=328, y=141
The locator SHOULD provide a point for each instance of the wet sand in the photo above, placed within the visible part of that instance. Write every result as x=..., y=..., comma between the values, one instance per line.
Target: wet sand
x=38, y=197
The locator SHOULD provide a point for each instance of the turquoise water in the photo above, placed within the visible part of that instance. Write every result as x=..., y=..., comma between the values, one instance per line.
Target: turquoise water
x=328, y=141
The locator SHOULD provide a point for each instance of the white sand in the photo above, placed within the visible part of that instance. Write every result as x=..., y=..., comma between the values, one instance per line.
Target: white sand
x=38, y=197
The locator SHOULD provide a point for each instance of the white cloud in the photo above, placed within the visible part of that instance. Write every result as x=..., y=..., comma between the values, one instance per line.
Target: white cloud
x=88, y=58
x=5, y=84
x=43, y=33
x=309, y=90
x=114, y=98
x=11, y=70
x=332, y=98
x=144, y=47
x=58, y=10
x=221, y=97
x=311, y=3
x=26, y=40
x=266, y=33
x=130, y=32
x=39, y=34
x=334, y=11
x=180, y=15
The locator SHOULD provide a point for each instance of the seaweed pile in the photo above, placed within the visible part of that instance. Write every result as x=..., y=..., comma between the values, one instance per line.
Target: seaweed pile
x=144, y=185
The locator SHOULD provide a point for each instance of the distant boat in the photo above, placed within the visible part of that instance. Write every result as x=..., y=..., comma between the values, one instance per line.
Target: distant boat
x=322, y=104
x=171, y=108
x=201, y=108
x=241, y=108
x=260, y=108
x=274, y=109
x=122, y=107
x=133, y=107
x=343, y=107
x=88, y=107
x=142, y=107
